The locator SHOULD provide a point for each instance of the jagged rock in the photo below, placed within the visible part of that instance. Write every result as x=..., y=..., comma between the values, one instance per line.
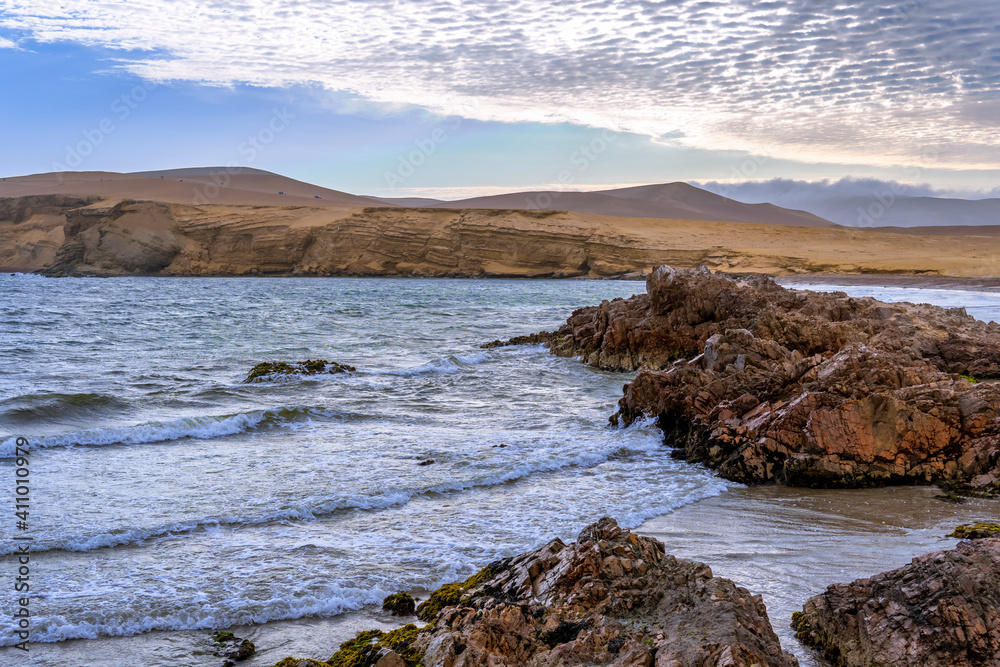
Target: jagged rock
x=766, y=384
x=611, y=598
x=269, y=369
x=942, y=610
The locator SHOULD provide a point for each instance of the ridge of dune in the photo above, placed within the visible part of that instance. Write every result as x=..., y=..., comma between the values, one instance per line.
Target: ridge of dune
x=668, y=200
x=195, y=186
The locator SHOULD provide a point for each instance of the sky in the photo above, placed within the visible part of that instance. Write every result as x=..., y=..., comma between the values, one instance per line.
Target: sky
x=449, y=98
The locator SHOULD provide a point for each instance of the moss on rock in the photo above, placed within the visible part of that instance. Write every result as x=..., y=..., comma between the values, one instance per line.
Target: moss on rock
x=976, y=531
x=366, y=648
x=451, y=594
x=399, y=604
x=267, y=369
x=300, y=662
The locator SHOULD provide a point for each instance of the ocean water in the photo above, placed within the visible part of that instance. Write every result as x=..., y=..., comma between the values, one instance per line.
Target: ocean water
x=167, y=496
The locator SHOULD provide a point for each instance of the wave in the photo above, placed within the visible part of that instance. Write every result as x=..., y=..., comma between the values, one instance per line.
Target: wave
x=453, y=363
x=335, y=601
x=174, y=429
x=49, y=406
x=331, y=506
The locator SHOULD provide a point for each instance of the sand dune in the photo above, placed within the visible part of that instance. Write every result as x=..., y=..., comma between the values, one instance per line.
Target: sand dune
x=671, y=200
x=184, y=186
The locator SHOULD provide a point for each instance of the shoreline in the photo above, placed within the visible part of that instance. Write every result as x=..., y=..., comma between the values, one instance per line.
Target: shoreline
x=957, y=283
x=984, y=284
x=786, y=544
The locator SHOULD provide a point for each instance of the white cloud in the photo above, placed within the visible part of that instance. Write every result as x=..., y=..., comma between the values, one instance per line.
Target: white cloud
x=7, y=44
x=911, y=82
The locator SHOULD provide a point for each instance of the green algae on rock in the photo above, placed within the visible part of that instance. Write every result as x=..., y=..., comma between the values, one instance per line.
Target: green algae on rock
x=452, y=594
x=268, y=369
x=976, y=531
x=399, y=604
x=371, y=646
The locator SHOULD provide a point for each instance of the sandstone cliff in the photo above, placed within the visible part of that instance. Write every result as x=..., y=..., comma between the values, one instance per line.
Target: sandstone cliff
x=766, y=384
x=79, y=235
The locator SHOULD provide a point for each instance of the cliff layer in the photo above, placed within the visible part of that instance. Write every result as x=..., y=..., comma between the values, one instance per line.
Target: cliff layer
x=68, y=235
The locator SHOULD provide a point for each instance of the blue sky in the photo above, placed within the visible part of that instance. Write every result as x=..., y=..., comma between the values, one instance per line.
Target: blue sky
x=451, y=99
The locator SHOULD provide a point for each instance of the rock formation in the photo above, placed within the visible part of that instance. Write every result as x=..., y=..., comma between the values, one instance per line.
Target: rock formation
x=610, y=598
x=767, y=384
x=268, y=370
x=941, y=610
x=134, y=228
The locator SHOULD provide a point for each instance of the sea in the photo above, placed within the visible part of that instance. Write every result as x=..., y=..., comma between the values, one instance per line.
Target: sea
x=169, y=499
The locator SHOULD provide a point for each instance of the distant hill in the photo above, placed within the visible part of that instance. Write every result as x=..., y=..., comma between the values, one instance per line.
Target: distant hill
x=196, y=186
x=670, y=200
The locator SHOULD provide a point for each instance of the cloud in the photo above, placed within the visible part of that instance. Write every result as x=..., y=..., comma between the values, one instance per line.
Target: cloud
x=868, y=201
x=794, y=193
x=857, y=82
x=7, y=44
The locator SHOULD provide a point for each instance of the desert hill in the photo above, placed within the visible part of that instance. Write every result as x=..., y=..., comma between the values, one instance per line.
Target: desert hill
x=100, y=223
x=215, y=185
x=671, y=200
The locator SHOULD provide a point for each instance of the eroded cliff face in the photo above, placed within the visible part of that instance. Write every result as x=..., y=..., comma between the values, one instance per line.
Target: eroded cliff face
x=80, y=237
x=766, y=384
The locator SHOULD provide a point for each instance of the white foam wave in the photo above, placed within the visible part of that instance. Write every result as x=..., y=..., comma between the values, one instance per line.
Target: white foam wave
x=546, y=460
x=154, y=431
x=222, y=614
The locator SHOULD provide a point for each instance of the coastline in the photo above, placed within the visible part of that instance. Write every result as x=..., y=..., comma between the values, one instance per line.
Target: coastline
x=984, y=284
x=786, y=544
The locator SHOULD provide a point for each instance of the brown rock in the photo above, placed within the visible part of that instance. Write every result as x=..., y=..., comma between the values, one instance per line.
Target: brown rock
x=942, y=610
x=767, y=384
x=590, y=602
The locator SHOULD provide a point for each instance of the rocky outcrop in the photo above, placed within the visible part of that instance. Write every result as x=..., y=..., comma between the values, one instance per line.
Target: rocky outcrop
x=766, y=384
x=610, y=598
x=269, y=370
x=941, y=610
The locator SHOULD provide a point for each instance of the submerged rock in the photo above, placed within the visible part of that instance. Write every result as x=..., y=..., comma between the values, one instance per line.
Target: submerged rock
x=610, y=598
x=267, y=370
x=941, y=610
x=766, y=384
x=234, y=649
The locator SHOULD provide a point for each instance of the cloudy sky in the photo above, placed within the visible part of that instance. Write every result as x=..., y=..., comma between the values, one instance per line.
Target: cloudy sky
x=449, y=97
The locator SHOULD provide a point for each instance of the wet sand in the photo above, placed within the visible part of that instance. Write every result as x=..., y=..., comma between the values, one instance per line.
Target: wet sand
x=790, y=544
